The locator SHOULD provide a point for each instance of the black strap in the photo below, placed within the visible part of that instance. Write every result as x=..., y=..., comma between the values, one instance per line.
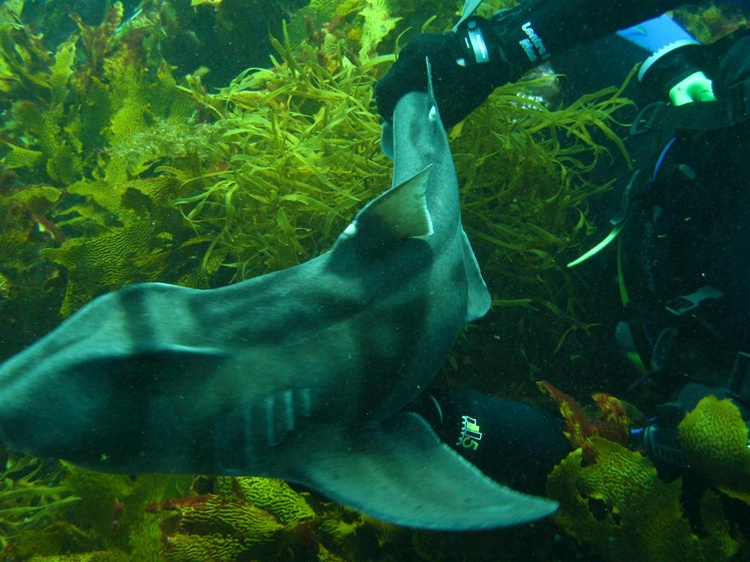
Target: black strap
x=698, y=116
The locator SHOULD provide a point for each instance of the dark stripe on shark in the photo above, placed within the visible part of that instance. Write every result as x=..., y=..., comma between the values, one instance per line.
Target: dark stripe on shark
x=382, y=357
x=130, y=427
x=143, y=305
x=383, y=389
x=288, y=304
x=378, y=390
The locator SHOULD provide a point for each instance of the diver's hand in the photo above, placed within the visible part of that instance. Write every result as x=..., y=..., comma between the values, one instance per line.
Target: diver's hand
x=458, y=89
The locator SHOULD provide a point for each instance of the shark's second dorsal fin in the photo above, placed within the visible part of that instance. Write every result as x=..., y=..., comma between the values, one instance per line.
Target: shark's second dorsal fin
x=400, y=212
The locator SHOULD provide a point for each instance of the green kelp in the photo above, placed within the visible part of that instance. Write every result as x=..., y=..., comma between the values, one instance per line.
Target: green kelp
x=301, y=150
x=354, y=28
x=617, y=505
x=525, y=172
x=710, y=21
x=113, y=509
x=362, y=29
x=288, y=165
x=31, y=497
x=83, y=128
x=50, y=509
x=714, y=437
x=266, y=519
x=270, y=494
x=613, y=500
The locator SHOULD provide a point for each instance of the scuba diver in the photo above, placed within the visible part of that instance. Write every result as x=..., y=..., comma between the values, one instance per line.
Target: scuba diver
x=684, y=273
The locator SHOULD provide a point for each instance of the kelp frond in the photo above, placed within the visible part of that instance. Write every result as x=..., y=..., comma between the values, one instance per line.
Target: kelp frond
x=301, y=147
x=31, y=496
x=525, y=172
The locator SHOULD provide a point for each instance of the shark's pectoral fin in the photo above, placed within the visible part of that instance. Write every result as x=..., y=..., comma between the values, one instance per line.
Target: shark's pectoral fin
x=479, y=299
x=405, y=475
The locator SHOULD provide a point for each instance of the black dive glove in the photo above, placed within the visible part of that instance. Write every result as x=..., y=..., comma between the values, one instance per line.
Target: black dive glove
x=466, y=66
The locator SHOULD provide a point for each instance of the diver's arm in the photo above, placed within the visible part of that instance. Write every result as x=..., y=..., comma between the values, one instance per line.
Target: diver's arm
x=539, y=29
x=483, y=54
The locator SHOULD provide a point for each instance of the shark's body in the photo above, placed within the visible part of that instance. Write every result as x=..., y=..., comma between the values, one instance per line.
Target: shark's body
x=299, y=374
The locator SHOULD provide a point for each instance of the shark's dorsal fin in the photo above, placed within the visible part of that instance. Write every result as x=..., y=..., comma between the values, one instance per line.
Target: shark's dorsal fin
x=404, y=474
x=401, y=212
